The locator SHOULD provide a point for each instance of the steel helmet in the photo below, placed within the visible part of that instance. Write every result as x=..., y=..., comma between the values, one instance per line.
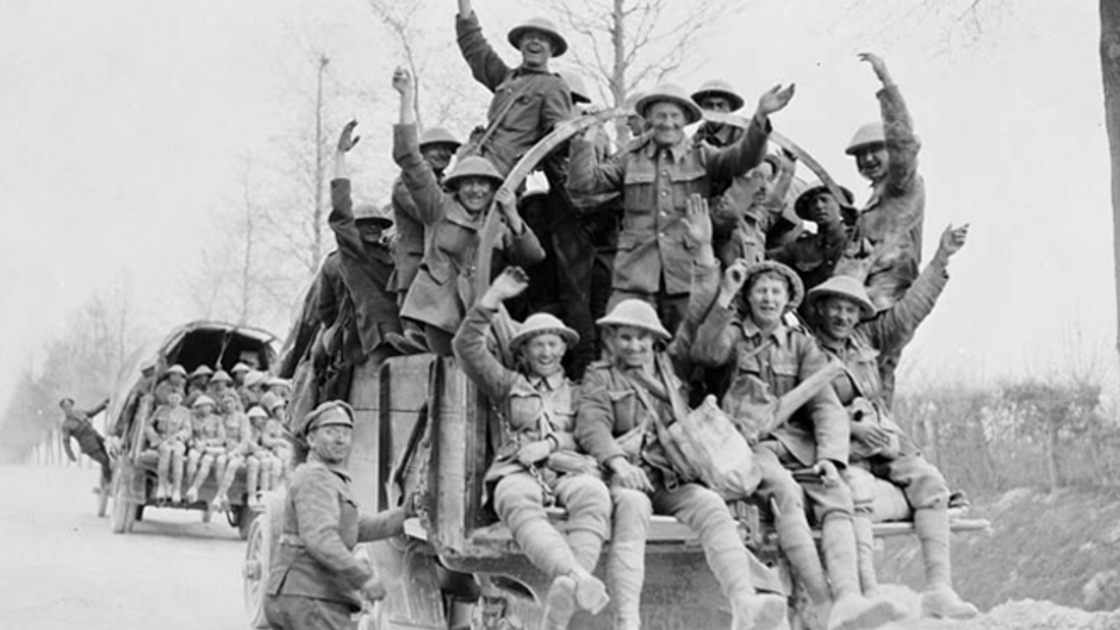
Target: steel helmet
x=636, y=313
x=631, y=103
x=256, y=411
x=221, y=376
x=719, y=87
x=801, y=205
x=439, y=135
x=473, y=166
x=240, y=367
x=177, y=369
x=796, y=287
x=542, y=25
x=202, y=370
x=576, y=86
x=674, y=94
x=539, y=324
x=202, y=400
x=867, y=135
x=845, y=287
x=369, y=213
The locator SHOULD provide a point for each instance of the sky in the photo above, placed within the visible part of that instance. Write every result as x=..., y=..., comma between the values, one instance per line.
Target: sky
x=124, y=125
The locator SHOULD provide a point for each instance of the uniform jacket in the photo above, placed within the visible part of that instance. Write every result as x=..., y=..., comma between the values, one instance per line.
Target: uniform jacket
x=895, y=213
x=543, y=99
x=77, y=425
x=444, y=285
x=321, y=526
x=168, y=421
x=888, y=331
x=653, y=246
x=410, y=238
x=819, y=430
x=365, y=269
x=534, y=407
x=814, y=256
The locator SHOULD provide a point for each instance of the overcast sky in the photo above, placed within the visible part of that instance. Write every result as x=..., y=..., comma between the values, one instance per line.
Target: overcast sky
x=122, y=124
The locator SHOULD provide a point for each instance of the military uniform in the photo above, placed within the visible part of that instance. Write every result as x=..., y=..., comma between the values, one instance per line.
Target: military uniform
x=77, y=425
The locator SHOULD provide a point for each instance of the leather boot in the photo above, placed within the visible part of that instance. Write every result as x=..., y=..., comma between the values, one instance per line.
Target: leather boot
x=626, y=557
x=850, y=609
x=560, y=603
x=939, y=599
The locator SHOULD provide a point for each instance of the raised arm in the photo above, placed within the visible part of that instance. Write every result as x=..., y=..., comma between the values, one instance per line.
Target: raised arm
x=522, y=244
x=486, y=66
x=476, y=360
x=746, y=154
x=416, y=173
x=717, y=334
x=705, y=283
x=588, y=175
x=902, y=143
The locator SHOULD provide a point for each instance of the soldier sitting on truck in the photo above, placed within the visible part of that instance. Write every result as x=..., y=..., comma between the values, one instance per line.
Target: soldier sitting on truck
x=240, y=452
x=173, y=380
x=757, y=356
x=537, y=461
x=207, y=447
x=315, y=580
x=273, y=439
x=270, y=464
x=238, y=372
x=814, y=255
x=454, y=221
x=197, y=384
x=849, y=329
x=77, y=425
x=253, y=388
x=167, y=434
x=220, y=385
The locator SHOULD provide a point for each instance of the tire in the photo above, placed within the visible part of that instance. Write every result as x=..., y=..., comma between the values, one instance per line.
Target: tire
x=124, y=510
x=255, y=571
x=245, y=523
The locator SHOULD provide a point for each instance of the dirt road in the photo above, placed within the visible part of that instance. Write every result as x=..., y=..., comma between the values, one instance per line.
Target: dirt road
x=61, y=568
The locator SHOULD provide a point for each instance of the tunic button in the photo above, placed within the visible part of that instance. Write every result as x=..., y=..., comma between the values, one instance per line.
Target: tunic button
x=664, y=193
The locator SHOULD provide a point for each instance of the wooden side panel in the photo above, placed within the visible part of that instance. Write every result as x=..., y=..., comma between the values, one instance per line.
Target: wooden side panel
x=365, y=456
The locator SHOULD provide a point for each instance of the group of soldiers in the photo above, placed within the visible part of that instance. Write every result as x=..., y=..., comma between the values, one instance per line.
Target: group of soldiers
x=649, y=276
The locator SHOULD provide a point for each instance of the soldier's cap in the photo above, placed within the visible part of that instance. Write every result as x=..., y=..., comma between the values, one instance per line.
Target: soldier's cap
x=276, y=381
x=271, y=401
x=62, y=401
x=719, y=87
x=472, y=166
x=868, y=135
x=636, y=313
x=333, y=412
x=672, y=93
x=369, y=213
x=202, y=370
x=541, y=25
x=576, y=86
x=631, y=104
x=439, y=135
x=845, y=287
x=540, y=324
x=177, y=369
x=255, y=377
x=221, y=376
x=202, y=400
x=240, y=367
x=801, y=205
x=256, y=411
x=795, y=286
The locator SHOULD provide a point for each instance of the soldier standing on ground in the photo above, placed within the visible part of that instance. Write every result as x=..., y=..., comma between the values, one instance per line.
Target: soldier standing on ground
x=316, y=580
x=77, y=425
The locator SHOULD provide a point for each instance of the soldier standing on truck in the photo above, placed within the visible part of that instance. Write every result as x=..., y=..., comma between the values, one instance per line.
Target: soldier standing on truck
x=76, y=424
x=849, y=329
x=316, y=581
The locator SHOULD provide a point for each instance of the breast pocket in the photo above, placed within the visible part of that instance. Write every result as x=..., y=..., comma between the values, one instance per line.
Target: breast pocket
x=524, y=116
x=624, y=404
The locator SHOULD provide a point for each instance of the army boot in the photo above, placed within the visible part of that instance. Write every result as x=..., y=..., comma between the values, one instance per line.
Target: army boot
x=850, y=609
x=939, y=599
x=176, y=476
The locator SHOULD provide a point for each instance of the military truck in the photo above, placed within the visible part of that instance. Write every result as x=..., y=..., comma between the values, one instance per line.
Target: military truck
x=196, y=343
x=422, y=428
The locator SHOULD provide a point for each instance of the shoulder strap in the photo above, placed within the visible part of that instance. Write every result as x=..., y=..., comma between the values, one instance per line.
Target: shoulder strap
x=516, y=94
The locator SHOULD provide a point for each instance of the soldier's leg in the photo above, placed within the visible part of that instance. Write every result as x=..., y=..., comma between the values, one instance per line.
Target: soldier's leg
x=781, y=493
x=833, y=508
x=626, y=558
x=234, y=462
x=205, y=463
x=518, y=502
x=439, y=340
x=706, y=513
x=292, y=612
x=194, y=457
x=588, y=503
x=163, y=470
x=178, y=449
x=928, y=494
x=859, y=482
x=252, y=477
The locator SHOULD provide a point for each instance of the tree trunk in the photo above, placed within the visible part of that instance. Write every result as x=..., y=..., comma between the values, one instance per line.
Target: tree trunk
x=1052, y=457
x=618, y=70
x=317, y=218
x=1110, y=74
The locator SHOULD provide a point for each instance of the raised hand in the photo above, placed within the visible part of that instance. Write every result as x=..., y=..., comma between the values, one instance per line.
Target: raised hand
x=732, y=282
x=775, y=99
x=402, y=80
x=510, y=283
x=952, y=240
x=347, y=139
x=698, y=219
x=878, y=65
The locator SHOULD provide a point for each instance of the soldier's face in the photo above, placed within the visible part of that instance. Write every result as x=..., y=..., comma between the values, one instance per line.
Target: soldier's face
x=715, y=104
x=536, y=49
x=824, y=209
x=331, y=444
x=202, y=411
x=872, y=162
x=636, y=124
x=438, y=156
x=370, y=231
x=633, y=346
x=667, y=121
x=476, y=193
x=544, y=353
x=839, y=317
x=175, y=399
x=767, y=299
x=176, y=379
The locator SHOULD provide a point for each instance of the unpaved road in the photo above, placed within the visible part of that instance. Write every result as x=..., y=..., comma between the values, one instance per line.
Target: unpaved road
x=61, y=568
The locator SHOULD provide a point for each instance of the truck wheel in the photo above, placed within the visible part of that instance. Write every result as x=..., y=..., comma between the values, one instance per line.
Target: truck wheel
x=245, y=523
x=124, y=511
x=255, y=572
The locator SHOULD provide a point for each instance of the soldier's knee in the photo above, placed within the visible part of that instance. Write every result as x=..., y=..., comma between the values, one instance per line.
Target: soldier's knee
x=631, y=505
x=861, y=487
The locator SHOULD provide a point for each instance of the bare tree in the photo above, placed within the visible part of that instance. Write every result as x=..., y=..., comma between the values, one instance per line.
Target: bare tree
x=399, y=17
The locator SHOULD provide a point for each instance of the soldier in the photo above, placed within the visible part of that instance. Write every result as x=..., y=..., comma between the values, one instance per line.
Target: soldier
x=197, y=383
x=849, y=329
x=656, y=177
x=315, y=581
x=528, y=100
x=253, y=388
x=442, y=289
x=537, y=459
x=437, y=146
x=239, y=453
x=886, y=250
x=366, y=263
x=219, y=385
x=168, y=432
x=207, y=447
x=757, y=356
x=238, y=373
x=76, y=424
x=635, y=122
x=173, y=380
x=718, y=96
x=814, y=255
